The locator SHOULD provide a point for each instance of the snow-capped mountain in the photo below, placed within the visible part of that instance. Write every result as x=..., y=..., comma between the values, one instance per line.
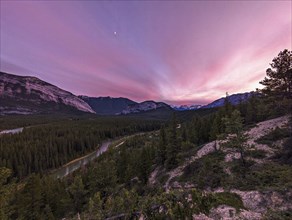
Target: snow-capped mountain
x=234, y=99
x=28, y=95
x=144, y=106
x=107, y=105
x=185, y=107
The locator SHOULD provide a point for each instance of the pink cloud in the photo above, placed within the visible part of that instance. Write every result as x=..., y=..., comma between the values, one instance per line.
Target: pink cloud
x=182, y=52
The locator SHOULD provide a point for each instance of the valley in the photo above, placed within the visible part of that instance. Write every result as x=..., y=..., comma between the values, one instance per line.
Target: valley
x=37, y=97
x=80, y=162
x=137, y=172
x=12, y=131
x=145, y=110
x=77, y=163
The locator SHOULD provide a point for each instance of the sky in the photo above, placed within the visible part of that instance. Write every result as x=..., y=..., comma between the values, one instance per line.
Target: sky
x=179, y=52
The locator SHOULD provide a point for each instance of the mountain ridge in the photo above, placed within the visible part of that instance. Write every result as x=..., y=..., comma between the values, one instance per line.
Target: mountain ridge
x=234, y=99
x=31, y=95
x=145, y=106
x=107, y=105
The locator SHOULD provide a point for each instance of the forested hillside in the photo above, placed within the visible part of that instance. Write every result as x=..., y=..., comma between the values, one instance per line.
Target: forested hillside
x=233, y=162
x=42, y=147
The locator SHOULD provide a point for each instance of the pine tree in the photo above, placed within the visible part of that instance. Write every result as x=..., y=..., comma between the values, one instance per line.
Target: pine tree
x=145, y=164
x=103, y=177
x=30, y=200
x=78, y=192
x=278, y=82
x=184, y=136
x=279, y=78
x=227, y=106
x=5, y=192
x=173, y=147
x=95, y=207
x=215, y=129
x=234, y=126
x=161, y=151
x=48, y=214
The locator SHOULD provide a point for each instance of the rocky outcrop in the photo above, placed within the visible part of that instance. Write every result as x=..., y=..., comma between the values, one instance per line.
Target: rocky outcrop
x=262, y=201
x=29, y=95
x=144, y=106
x=228, y=213
x=256, y=205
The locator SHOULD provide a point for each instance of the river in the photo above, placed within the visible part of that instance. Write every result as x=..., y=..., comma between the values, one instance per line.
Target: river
x=12, y=131
x=77, y=163
x=81, y=161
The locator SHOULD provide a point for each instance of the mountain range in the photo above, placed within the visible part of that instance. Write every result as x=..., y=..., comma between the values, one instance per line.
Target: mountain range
x=108, y=105
x=234, y=99
x=186, y=107
x=30, y=95
x=145, y=106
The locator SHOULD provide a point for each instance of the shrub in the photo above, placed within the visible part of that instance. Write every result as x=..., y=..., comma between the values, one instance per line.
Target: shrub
x=262, y=177
x=230, y=199
x=259, y=154
x=205, y=172
x=274, y=135
x=279, y=215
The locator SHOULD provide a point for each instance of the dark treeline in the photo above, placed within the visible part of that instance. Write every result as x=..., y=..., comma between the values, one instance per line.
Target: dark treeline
x=40, y=148
x=16, y=121
x=100, y=187
x=202, y=129
x=116, y=184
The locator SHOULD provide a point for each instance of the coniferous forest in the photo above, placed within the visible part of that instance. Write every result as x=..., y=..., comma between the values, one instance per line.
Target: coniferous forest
x=138, y=175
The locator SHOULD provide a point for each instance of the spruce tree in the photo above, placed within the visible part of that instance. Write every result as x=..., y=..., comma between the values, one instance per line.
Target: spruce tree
x=173, y=147
x=234, y=127
x=278, y=82
x=161, y=151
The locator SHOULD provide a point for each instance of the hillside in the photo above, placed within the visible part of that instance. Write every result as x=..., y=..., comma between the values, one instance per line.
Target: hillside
x=209, y=182
x=234, y=99
x=107, y=105
x=30, y=95
x=176, y=172
x=230, y=161
x=256, y=193
x=144, y=107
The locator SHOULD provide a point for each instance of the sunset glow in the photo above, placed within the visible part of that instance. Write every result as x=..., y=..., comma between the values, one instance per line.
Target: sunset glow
x=177, y=52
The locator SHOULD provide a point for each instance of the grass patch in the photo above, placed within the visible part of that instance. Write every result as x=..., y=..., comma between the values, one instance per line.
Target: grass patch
x=162, y=178
x=258, y=154
x=204, y=203
x=274, y=135
x=205, y=172
x=279, y=215
x=188, y=149
x=285, y=156
x=261, y=177
x=230, y=199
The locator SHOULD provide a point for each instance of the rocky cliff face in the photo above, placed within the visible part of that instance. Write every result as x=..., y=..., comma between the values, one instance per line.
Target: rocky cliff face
x=28, y=95
x=144, y=106
x=186, y=107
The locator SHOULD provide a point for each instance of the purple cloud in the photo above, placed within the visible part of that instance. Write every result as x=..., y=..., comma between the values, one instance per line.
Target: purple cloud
x=180, y=52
